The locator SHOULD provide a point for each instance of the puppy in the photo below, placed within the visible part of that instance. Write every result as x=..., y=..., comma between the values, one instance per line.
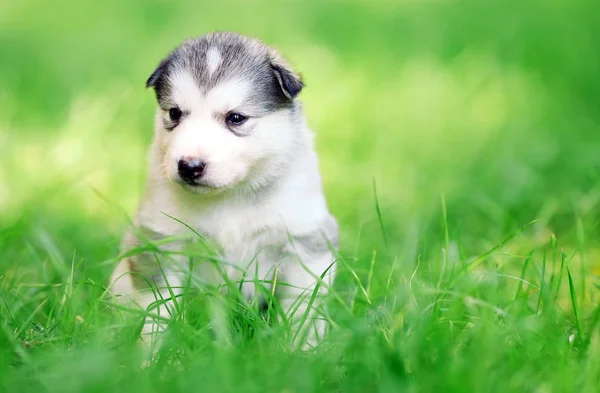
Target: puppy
x=232, y=161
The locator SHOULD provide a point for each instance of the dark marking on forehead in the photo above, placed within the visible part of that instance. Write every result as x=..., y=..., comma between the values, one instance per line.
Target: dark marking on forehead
x=274, y=84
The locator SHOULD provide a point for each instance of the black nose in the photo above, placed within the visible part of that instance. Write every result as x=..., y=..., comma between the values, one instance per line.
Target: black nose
x=190, y=169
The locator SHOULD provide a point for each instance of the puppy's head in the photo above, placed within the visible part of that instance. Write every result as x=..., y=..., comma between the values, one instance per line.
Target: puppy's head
x=226, y=113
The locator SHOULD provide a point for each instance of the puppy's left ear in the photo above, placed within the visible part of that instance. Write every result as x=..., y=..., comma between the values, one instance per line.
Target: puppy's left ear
x=153, y=79
x=290, y=82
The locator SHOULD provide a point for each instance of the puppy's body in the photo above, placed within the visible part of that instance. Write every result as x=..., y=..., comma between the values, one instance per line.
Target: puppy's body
x=233, y=159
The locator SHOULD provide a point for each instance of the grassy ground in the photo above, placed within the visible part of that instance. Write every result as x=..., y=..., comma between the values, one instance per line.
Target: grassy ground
x=474, y=267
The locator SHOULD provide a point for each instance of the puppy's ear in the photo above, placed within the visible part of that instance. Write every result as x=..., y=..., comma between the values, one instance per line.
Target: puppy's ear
x=153, y=79
x=290, y=82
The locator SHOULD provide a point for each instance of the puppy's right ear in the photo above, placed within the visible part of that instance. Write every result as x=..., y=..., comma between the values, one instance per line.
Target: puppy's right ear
x=158, y=73
x=290, y=82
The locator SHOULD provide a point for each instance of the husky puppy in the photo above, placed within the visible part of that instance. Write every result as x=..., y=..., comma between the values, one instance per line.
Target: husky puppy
x=232, y=161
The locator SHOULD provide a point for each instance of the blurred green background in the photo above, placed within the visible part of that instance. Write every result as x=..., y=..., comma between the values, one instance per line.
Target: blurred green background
x=494, y=105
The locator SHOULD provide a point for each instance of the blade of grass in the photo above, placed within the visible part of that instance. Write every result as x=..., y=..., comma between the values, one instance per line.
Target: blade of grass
x=542, y=283
x=582, y=252
x=380, y=218
x=169, y=288
x=357, y=279
x=7, y=305
x=446, y=242
x=26, y=323
x=370, y=276
x=411, y=281
x=482, y=257
x=389, y=279
x=560, y=272
x=575, y=304
x=446, y=249
x=523, y=270
x=311, y=302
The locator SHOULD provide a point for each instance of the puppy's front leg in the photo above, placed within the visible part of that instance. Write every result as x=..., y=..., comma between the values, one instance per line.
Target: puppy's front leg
x=299, y=280
x=154, y=297
x=140, y=280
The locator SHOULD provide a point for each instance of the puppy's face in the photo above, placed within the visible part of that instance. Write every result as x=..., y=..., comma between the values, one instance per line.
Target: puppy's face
x=225, y=114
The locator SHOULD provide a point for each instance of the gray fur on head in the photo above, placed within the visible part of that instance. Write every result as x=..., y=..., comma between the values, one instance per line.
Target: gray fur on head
x=275, y=85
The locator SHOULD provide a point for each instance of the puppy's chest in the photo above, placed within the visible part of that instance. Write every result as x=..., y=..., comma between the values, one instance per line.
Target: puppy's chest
x=242, y=235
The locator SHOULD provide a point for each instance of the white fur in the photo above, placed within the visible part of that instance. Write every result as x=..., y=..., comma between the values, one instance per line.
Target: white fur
x=213, y=60
x=204, y=136
x=185, y=93
x=258, y=190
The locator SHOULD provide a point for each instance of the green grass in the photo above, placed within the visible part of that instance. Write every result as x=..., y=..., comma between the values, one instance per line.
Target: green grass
x=460, y=151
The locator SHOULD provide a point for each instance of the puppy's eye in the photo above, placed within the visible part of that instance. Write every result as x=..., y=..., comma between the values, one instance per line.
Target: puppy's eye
x=235, y=119
x=175, y=114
